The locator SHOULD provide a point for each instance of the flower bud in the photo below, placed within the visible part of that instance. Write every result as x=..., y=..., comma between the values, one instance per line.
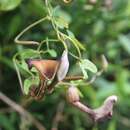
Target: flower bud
x=63, y=67
x=92, y=1
x=104, y=62
x=72, y=94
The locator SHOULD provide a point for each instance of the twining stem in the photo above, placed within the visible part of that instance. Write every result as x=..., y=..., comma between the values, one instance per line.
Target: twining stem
x=76, y=46
x=44, y=41
x=84, y=108
x=26, y=29
x=59, y=116
x=18, y=74
x=54, y=25
x=73, y=78
x=21, y=111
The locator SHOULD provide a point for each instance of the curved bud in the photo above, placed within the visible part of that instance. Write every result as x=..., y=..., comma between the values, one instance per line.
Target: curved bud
x=111, y=100
x=104, y=62
x=105, y=111
x=72, y=94
x=63, y=67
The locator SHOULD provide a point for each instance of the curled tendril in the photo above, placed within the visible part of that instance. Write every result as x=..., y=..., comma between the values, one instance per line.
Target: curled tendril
x=67, y=1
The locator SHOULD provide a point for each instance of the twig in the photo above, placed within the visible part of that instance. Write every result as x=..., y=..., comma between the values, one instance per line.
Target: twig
x=103, y=112
x=26, y=29
x=58, y=116
x=21, y=111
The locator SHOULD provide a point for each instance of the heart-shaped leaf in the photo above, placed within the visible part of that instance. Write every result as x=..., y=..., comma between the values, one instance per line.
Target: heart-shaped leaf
x=29, y=82
x=52, y=52
x=29, y=53
x=87, y=65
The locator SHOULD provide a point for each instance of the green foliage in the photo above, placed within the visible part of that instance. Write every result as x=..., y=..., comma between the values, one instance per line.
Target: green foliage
x=30, y=82
x=85, y=64
x=90, y=30
x=6, y=5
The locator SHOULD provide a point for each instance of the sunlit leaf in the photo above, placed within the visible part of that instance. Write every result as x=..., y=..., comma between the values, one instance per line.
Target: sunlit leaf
x=6, y=5
x=80, y=93
x=70, y=34
x=83, y=71
x=23, y=68
x=62, y=19
x=87, y=64
x=61, y=23
x=52, y=52
x=29, y=82
x=29, y=53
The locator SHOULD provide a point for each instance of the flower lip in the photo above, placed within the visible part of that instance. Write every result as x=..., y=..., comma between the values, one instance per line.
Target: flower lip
x=46, y=68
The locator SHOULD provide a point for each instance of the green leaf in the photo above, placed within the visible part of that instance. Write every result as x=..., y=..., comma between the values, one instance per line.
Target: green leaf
x=87, y=64
x=74, y=40
x=52, y=52
x=83, y=71
x=6, y=5
x=24, y=65
x=14, y=25
x=125, y=42
x=3, y=122
x=62, y=19
x=24, y=68
x=29, y=53
x=80, y=93
x=29, y=82
x=61, y=23
x=34, y=70
x=70, y=34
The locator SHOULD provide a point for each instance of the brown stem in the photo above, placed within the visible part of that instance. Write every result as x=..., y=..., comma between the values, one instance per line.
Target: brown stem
x=84, y=108
x=21, y=111
x=73, y=78
x=58, y=116
x=103, y=112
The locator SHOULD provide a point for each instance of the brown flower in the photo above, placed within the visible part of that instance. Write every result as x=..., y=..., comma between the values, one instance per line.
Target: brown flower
x=49, y=70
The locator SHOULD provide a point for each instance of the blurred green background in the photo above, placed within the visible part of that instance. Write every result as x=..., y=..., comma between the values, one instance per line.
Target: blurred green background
x=103, y=26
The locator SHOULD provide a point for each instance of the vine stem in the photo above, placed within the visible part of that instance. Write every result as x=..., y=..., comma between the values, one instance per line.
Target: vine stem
x=21, y=111
x=18, y=73
x=44, y=41
x=26, y=29
x=54, y=26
